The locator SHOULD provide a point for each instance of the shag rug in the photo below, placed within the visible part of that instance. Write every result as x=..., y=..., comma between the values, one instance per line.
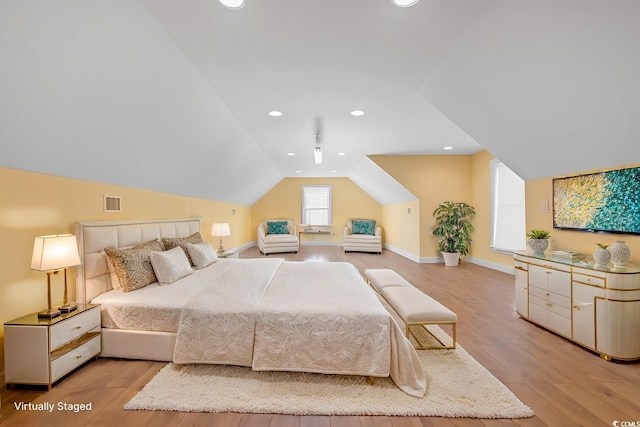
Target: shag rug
x=457, y=386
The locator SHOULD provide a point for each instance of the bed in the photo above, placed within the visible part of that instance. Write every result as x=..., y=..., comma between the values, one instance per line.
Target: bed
x=267, y=314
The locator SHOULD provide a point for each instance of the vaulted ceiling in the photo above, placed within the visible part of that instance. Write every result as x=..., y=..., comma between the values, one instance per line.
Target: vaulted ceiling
x=174, y=96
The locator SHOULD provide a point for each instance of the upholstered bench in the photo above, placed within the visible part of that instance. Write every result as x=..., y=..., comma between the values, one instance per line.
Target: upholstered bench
x=414, y=307
x=380, y=278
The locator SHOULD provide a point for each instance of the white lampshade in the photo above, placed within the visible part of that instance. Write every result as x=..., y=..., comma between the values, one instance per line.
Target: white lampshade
x=317, y=155
x=220, y=229
x=55, y=252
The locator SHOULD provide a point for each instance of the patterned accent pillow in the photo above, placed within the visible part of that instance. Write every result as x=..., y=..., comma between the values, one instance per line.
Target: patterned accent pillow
x=170, y=243
x=133, y=266
x=277, y=227
x=170, y=265
x=202, y=254
x=363, y=226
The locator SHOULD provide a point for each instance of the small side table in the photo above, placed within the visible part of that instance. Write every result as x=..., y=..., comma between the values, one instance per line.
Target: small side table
x=41, y=351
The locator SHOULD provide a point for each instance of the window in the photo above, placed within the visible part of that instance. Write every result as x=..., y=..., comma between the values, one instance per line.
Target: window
x=507, y=209
x=316, y=204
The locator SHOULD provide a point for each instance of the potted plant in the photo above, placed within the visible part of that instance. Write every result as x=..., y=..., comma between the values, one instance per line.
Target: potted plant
x=538, y=240
x=601, y=255
x=453, y=230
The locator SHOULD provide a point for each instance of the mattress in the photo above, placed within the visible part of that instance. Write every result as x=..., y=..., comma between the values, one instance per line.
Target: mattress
x=156, y=307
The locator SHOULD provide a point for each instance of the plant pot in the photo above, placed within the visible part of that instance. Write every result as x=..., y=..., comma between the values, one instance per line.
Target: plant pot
x=451, y=259
x=601, y=256
x=538, y=246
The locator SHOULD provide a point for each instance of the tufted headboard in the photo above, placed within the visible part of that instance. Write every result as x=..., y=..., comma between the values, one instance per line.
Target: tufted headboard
x=93, y=276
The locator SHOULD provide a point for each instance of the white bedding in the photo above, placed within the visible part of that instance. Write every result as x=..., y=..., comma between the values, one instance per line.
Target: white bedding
x=274, y=315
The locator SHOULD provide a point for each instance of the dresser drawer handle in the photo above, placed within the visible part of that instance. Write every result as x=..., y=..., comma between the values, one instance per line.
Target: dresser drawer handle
x=79, y=356
x=78, y=327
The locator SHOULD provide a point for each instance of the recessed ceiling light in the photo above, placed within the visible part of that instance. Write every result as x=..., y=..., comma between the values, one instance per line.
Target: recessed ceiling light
x=232, y=4
x=298, y=171
x=291, y=154
x=334, y=171
x=341, y=154
x=357, y=113
x=275, y=113
x=448, y=147
x=404, y=3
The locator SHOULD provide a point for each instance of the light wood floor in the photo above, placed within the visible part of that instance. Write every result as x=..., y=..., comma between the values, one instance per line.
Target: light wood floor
x=563, y=384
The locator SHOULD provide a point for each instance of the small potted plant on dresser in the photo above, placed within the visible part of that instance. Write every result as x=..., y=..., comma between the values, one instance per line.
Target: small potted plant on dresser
x=601, y=255
x=538, y=240
x=453, y=230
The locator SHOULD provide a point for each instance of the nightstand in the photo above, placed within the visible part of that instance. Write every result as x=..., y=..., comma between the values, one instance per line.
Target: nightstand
x=229, y=254
x=41, y=351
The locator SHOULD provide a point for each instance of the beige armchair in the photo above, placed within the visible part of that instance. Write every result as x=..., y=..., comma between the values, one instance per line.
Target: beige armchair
x=282, y=238
x=356, y=241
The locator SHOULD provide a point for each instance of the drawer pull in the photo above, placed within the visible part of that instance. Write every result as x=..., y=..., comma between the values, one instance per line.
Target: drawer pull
x=78, y=327
x=79, y=356
x=577, y=307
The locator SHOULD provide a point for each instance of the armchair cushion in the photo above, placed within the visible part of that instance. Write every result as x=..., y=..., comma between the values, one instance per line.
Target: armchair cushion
x=277, y=227
x=363, y=226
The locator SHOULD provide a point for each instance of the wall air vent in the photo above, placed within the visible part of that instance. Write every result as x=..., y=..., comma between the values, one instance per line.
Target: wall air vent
x=112, y=203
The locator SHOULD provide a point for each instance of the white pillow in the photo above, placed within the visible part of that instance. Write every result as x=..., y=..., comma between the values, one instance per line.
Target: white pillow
x=170, y=265
x=202, y=254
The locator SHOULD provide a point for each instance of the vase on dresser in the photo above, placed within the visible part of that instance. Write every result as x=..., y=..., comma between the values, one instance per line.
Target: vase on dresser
x=620, y=253
x=601, y=255
x=538, y=246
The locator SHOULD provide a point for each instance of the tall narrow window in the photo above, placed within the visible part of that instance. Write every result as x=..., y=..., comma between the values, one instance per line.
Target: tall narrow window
x=507, y=209
x=316, y=204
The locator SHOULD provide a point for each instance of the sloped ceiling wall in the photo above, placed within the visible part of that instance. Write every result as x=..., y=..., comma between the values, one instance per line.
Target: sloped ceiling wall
x=549, y=87
x=80, y=99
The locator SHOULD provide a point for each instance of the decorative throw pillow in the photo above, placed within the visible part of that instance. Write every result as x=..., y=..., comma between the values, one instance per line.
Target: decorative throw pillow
x=170, y=243
x=363, y=226
x=277, y=227
x=202, y=254
x=170, y=265
x=133, y=266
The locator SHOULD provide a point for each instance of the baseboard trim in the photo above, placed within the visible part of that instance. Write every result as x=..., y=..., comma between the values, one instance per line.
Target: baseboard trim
x=421, y=260
x=492, y=265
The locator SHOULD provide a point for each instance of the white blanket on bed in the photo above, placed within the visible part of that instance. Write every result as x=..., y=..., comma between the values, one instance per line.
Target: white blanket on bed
x=309, y=317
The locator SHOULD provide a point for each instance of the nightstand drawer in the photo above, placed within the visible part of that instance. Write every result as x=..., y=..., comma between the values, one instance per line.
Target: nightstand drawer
x=74, y=358
x=74, y=327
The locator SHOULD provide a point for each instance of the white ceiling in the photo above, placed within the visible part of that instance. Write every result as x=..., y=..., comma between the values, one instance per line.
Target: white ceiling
x=173, y=95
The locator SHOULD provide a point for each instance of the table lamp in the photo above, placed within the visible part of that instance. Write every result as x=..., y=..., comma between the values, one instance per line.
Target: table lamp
x=220, y=229
x=52, y=254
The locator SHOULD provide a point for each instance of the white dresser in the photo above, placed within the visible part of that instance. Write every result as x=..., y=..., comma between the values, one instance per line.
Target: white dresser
x=595, y=306
x=41, y=351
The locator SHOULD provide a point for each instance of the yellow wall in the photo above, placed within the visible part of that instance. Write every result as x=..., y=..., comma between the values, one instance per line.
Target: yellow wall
x=433, y=179
x=34, y=204
x=285, y=201
x=403, y=227
x=578, y=241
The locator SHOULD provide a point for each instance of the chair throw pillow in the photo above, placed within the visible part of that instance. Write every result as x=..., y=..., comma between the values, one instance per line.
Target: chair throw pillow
x=364, y=226
x=277, y=227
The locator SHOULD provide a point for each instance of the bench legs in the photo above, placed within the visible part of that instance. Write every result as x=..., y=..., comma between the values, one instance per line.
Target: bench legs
x=420, y=345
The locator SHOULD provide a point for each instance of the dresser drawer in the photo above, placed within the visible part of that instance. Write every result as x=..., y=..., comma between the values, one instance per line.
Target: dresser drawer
x=74, y=358
x=74, y=327
x=589, y=280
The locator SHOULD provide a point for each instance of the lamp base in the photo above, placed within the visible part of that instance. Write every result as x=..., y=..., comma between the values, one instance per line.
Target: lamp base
x=68, y=307
x=220, y=250
x=49, y=313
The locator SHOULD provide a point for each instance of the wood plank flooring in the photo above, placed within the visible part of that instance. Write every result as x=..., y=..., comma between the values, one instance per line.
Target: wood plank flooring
x=564, y=384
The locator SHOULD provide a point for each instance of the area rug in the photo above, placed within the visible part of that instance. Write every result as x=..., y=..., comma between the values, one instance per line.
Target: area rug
x=458, y=386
